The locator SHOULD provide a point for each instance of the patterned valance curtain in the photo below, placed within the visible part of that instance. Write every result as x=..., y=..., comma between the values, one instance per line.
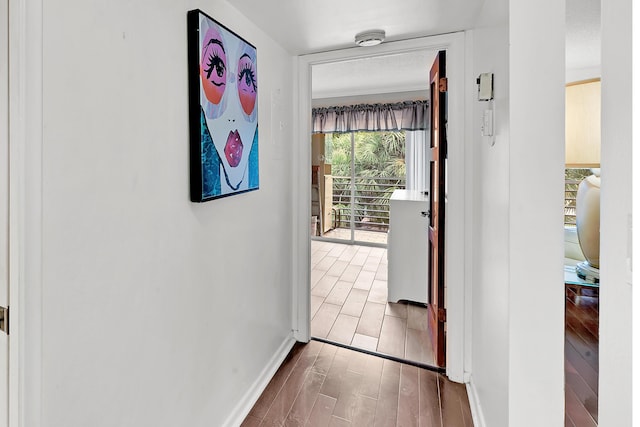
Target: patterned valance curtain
x=408, y=115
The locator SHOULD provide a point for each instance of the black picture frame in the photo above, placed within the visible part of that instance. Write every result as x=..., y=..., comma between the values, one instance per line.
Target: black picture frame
x=223, y=110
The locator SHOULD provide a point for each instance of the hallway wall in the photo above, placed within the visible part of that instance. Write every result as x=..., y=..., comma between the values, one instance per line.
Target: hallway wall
x=616, y=295
x=151, y=313
x=156, y=311
x=536, y=195
x=507, y=229
x=489, y=189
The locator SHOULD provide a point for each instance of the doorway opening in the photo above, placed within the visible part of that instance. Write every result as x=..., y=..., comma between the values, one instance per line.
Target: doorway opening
x=582, y=211
x=360, y=174
x=582, y=254
x=458, y=201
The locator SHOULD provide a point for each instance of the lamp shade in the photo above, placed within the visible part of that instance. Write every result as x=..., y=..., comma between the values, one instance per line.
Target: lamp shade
x=582, y=124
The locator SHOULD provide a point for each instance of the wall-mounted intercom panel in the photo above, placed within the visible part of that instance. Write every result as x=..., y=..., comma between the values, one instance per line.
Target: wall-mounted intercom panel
x=485, y=87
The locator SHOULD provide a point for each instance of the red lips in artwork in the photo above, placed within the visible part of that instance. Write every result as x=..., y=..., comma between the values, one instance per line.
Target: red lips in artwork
x=233, y=149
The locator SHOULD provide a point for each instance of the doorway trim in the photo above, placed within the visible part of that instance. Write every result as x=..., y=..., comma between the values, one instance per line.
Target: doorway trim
x=25, y=210
x=457, y=206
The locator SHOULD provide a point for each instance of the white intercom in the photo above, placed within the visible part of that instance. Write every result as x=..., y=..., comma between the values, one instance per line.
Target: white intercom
x=485, y=87
x=486, y=127
x=485, y=93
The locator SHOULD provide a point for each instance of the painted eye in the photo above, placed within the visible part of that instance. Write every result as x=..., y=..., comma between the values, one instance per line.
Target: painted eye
x=213, y=67
x=247, y=84
x=215, y=63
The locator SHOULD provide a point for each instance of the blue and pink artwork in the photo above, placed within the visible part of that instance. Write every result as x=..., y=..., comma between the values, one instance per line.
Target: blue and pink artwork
x=223, y=110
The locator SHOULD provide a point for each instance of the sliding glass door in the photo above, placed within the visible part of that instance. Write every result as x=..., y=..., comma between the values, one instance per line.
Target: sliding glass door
x=353, y=177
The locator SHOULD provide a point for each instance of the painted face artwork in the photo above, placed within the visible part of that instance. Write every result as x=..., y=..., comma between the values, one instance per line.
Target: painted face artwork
x=247, y=84
x=213, y=66
x=229, y=89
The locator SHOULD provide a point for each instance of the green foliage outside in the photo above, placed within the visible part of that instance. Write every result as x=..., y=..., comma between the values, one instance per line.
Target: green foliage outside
x=377, y=154
x=379, y=169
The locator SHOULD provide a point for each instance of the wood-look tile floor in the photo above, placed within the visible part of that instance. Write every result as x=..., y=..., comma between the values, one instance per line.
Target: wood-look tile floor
x=321, y=384
x=349, y=304
x=581, y=358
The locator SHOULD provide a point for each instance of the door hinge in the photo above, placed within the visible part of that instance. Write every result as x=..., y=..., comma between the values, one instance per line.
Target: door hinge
x=442, y=314
x=4, y=320
x=443, y=84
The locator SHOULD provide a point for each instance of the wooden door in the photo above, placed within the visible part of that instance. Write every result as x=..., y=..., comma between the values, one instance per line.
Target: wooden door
x=436, y=308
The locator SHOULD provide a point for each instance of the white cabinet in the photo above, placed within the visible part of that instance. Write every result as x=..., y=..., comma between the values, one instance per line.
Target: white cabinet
x=407, y=246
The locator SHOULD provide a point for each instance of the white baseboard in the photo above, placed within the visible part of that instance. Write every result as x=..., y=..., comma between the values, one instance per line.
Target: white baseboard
x=241, y=410
x=474, y=404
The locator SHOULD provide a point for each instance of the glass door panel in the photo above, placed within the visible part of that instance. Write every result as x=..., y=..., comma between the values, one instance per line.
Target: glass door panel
x=354, y=174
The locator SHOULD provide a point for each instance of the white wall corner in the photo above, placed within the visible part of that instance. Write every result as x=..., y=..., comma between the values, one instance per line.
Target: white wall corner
x=474, y=403
x=25, y=211
x=470, y=171
x=301, y=205
x=244, y=405
x=457, y=234
x=616, y=393
x=541, y=228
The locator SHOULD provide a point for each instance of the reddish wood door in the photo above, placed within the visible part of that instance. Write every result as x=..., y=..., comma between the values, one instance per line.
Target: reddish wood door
x=436, y=309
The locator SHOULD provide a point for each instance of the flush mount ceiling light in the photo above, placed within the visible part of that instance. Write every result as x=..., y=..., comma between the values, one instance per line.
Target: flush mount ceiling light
x=370, y=38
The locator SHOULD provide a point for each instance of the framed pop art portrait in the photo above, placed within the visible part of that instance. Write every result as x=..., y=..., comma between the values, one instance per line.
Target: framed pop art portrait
x=223, y=110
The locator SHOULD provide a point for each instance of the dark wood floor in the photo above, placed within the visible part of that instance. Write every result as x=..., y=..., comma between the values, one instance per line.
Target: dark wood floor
x=324, y=385
x=581, y=358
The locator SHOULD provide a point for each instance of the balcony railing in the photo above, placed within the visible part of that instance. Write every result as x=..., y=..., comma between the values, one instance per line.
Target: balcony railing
x=573, y=178
x=371, y=207
x=371, y=201
x=570, y=193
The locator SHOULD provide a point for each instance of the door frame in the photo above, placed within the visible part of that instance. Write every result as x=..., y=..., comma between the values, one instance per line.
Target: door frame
x=25, y=210
x=4, y=209
x=458, y=307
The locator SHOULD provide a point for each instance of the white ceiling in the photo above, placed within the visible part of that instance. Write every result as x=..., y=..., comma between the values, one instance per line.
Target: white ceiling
x=309, y=26
x=583, y=34
x=381, y=74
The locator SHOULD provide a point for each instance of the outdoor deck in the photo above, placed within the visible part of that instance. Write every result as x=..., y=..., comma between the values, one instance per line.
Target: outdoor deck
x=363, y=236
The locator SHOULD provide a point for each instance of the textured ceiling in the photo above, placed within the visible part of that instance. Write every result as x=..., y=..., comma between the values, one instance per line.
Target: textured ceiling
x=381, y=74
x=583, y=34
x=306, y=26
x=309, y=26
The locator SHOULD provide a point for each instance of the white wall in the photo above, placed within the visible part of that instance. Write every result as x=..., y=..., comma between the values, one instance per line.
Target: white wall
x=577, y=74
x=536, y=194
x=615, y=351
x=370, y=99
x=517, y=345
x=156, y=311
x=145, y=318
x=489, y=188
